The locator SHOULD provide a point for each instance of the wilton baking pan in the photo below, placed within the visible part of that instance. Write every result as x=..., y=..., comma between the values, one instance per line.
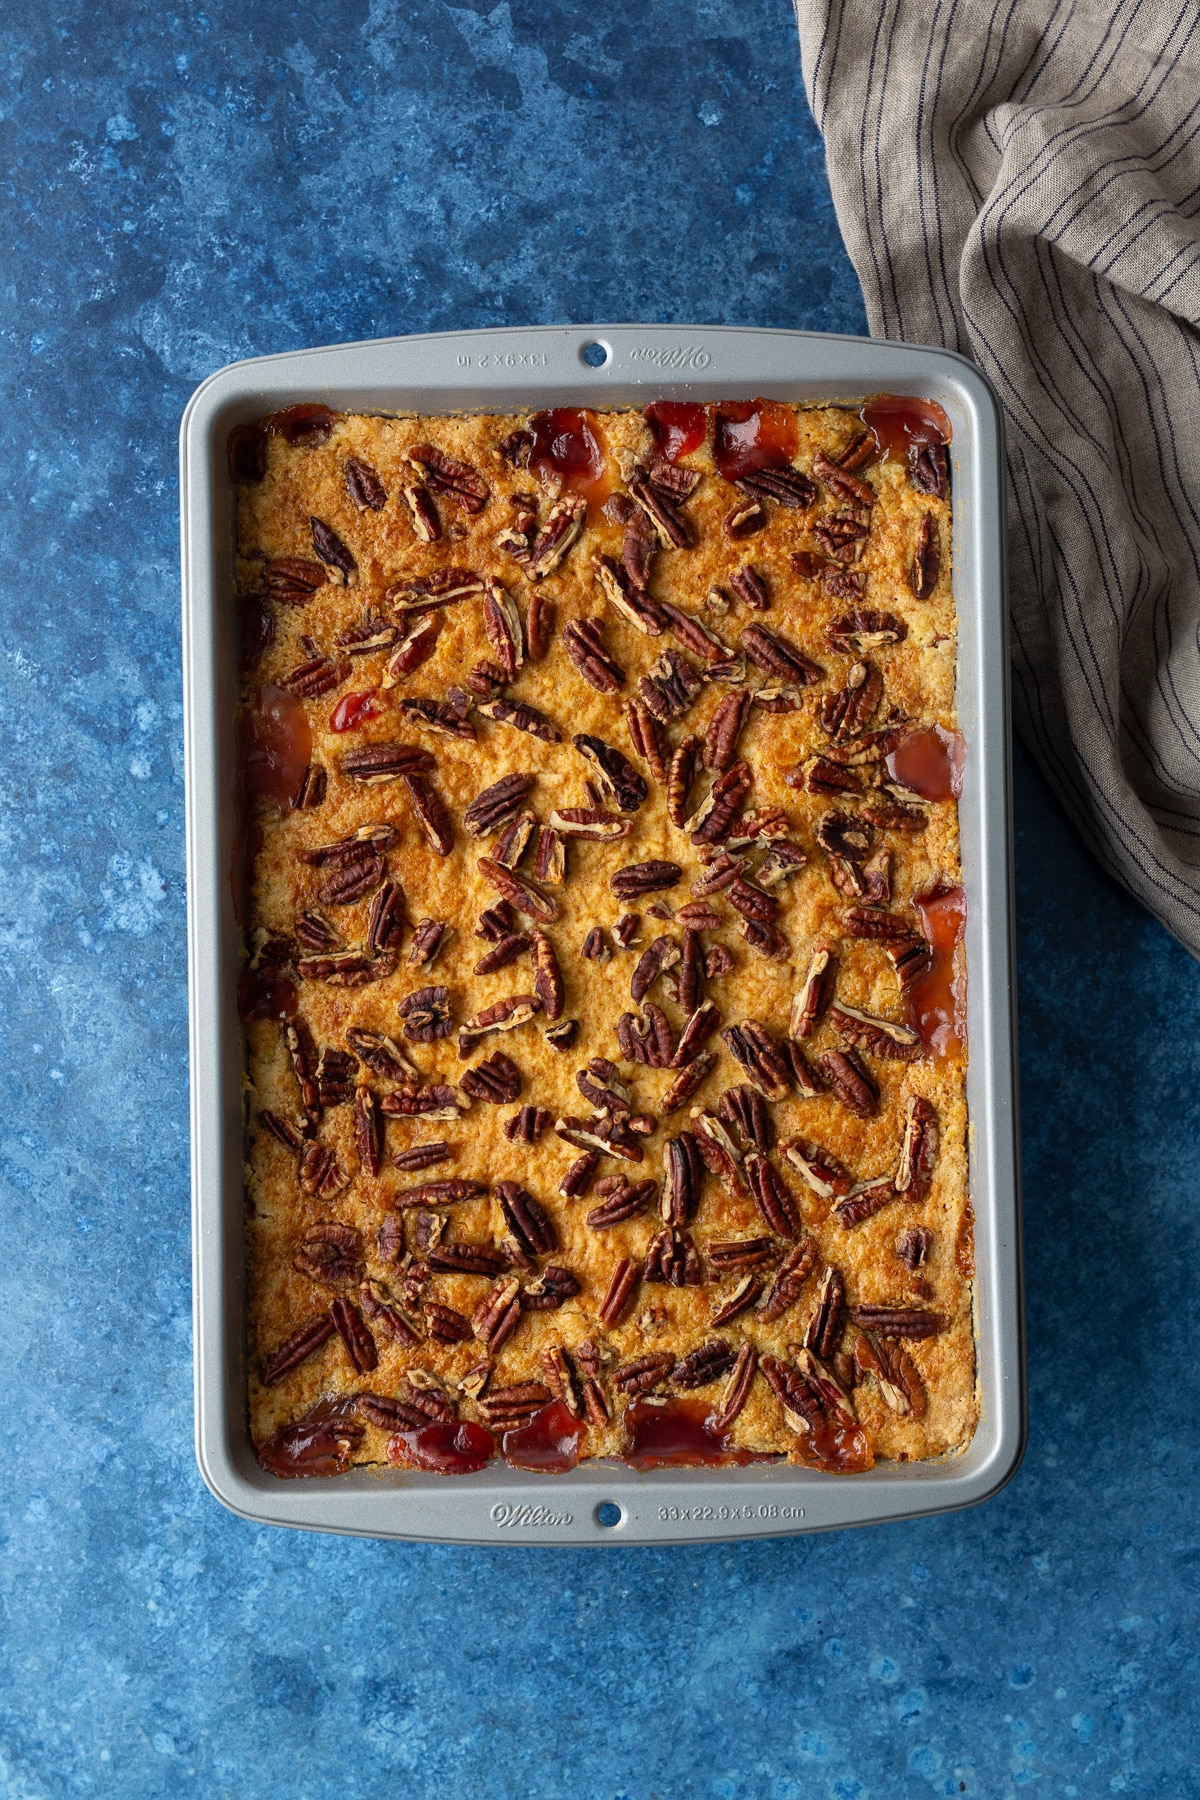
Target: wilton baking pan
x=497, y=371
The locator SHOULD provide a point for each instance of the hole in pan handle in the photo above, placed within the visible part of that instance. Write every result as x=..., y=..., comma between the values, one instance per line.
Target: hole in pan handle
x=609, y=1513
x=595, y=355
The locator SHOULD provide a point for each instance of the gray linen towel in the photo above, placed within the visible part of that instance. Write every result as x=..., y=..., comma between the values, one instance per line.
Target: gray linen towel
x=1021, y=182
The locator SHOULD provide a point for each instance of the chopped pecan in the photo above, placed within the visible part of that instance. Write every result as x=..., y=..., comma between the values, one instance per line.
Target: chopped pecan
x=284, y=1132
x=496, y=1079
x=881, y=1037
x=663, y=513
x=625, y=929
x=539, y=625
x=614, y=772
x=620, y=1291
x=332, y=551
x=790, y=1278
x=385, y=922
x=625, y=1202
x=385, y=1315
x=332, y=1255
x=426, y=1014
x=699, y=1027
x=435, y=1101
x=368, y=636
x=772, y=1195
x=913, y=1247
x=683, y=1174
x=851, y=1081
x=663, y=954
x=428, y=939
x=431, y=1229
x=521, y=717
x=840, y=834
x=670, y=686
x=813, y=997
x=299, y=1347
x=740, y=1300
x=518, y=890
x=516, y=448
x=602, y=1133
x=644, y=878
x=502, y=622
x=311, y=791
x=714, y=819
x=368, y=1131
x=528, y=1222
x=769, y=651
x=552, y=1289
x=688, y=1080
x=718, y=1152
x=527, y=1125
x=721, y=871
x=927, y=469
x=318, y=675
x=299, y=1049
x=644, y=1373
x=550, y=856
x=381, y=1055
x=496, y=922
x=375, y=763
x=414, y=650
x=600, y=1083
x=900, y=1383
x=724, y=729
x=564, y=523
x=648, y=738
x=863, y=630
x=759, y=1056
x=445, y=1325
x=819, y=1167
x=421, y=1156
x=707, y=1362
x=422, y=513
x=918, y=1152
x=671, y=1257
x=594, y=947
x=584, y=643
x=821, y=776
x=911, y=957
x=638, y=547
x=446, y=475
x=744, y=1110
x=681, y=773
x=502, y=1015
x=743, y=520
x=845, y=714
x=635, y=606
x=841, y=535
x=650, y=1041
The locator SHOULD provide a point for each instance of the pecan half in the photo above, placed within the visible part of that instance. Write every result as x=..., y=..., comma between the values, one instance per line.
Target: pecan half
x=422, y=513
x=594, y=947
x=851, y=1081
x=526, y=1125
x=426, y=1014
x=759, y=1056
x=438, y=1193
x=446, y=1326
x=644, y=1373
x=299, y=1347
x=626, y=1201
x=744, y=1110
x=663, y=954
x=413, y=650
x=740, y=1300
x=670, y=686
x=504, y=951
x=561, y=1378
x=660, y=508
x=898, y=1321
x=521, y=717
x=727, y=1255
x=840, y=834
x=379, y=1306
x=714, y=820
x=502, y=622
x=363, y=485
x=769, y=651
x=648, y=738
x=603, y=1133
x=284, y=1132
x=497, y=803
x=695, y=636
x=311, y=791
x=688, y=1081
x=375, y=763
x=718, y=1152
x=446, y=475
x=707, y=1362
x=900, y=1384
x=671, y=1257
x=918, y=1151
x=320, y=1172
x=737, y=1389
x=751, y=588
x=547, y=975
x=564, y=524
x=681, y=773
x=497, y=1079
x=550, y=856
x=863, y=630
x=864, y=1201
x=772, y=1196
x=583, y=641
x=724, y=729
x=421, y=1156
x=788, y=485
x=435, y=1101
x=381, y=1055
x=528, y=1222
x=355, y=1334
x=743, y=520
x=502, y=1015
x=635, y=606
x=497, y=1315
x=504, y=1408
x=437, y=715
x=466, y=1259
x=913, y=1247
x=589, y=822
x=620, y=1291
x=638, y=546
x=650, y=1041
x=829, y=1316
x=332, y=1255
x=445, y=587
x=318, y=675
x=683, y=1169
x=552, y=1289
x=644, y=878
x=699, y=1027
x=518, y=890
x=790, y=1278
x=578, y=1177
x=601, y=1085
x=539, y=625
x=332, y=551
x=293, y=580
x=368, y=1131
x=881, y=1037
x=927, y=469
x=847, y=713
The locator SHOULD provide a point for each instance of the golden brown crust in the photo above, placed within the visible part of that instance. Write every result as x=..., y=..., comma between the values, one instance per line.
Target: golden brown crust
x=306, y=480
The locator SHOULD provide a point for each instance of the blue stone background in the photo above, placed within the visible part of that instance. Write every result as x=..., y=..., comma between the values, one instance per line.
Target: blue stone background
x=179, y=188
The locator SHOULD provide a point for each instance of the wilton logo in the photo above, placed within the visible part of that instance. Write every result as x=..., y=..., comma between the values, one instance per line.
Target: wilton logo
x=676, y=356
x=510, y=1516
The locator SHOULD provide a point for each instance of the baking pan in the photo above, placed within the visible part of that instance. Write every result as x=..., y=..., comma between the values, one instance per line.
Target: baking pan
x=602, y=366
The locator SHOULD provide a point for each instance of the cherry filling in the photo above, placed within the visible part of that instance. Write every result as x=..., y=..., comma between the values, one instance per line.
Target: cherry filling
x=549, y=1442
x=274, y=746
x=679, y=1433
x=677, y=427
x=937, y=1004
x=263, y=996
x=353, y=710
x=840, y=1447
x=567, y=442
x=901, y=423
x=318, y=1444
x=752, y=434
x=451, y=1449
x=930, y=761
x=256, y=629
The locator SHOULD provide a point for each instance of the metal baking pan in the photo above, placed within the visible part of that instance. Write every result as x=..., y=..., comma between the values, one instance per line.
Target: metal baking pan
x=603, y=366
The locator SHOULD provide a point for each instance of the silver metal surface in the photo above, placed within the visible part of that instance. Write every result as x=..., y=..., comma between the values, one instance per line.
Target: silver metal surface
x=495, y=371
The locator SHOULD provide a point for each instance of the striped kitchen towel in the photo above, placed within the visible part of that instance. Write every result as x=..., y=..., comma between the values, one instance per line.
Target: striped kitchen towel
x=1021, y=182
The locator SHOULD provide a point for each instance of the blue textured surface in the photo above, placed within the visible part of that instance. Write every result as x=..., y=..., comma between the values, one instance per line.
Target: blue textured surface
x=182, y=191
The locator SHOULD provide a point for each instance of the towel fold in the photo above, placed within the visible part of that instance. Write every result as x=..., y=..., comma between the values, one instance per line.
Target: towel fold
x=1021, y=182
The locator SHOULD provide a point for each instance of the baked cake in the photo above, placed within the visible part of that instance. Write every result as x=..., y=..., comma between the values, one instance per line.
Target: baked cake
x=598, y=867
